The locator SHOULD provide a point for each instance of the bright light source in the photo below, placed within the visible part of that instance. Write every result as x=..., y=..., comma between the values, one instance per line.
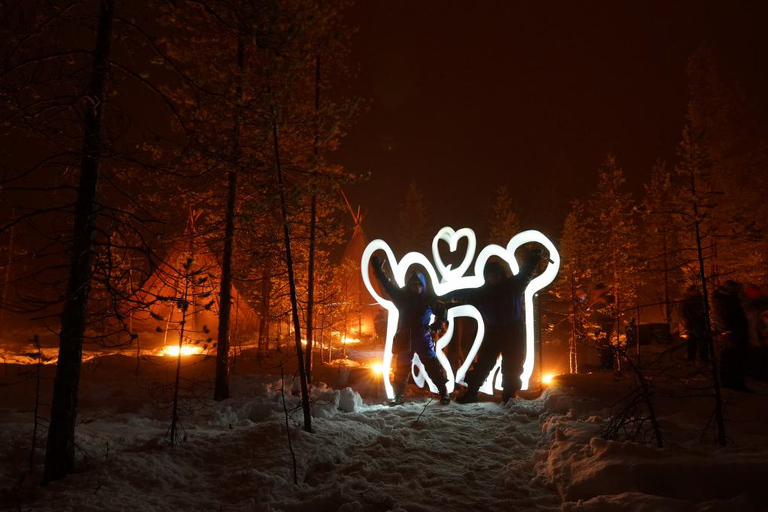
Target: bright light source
x=377, y=369
x=186, y=350
x=546, y=379
x=349, y=341
x=452, y=280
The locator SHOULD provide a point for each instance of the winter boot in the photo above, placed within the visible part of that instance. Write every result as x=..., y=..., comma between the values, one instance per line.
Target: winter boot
x=399, y=395
x=507, y=396
x=444, y=398
x=469, y=397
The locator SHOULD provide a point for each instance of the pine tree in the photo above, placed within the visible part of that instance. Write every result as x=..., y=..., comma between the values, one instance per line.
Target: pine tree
x=503, y=223
x=693, y=171
x=413, y=219
x=734, y=177
x=614, y=235
x=663, y=255
x=576, y=269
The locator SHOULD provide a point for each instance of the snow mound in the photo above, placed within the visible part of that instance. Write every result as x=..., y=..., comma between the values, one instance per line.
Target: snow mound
x=325, y=402
x=593, y=474
x=638, y=502
x=350, y=400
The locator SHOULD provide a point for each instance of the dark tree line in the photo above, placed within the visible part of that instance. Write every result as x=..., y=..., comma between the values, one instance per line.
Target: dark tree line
x=697, y=224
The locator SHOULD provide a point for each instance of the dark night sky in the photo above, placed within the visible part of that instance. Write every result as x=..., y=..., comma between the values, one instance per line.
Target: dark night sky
x=468, y=96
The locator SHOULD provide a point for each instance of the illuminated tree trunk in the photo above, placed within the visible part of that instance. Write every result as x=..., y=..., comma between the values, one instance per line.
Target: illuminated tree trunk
x=36, y=418
x=264, y=321
x=616, y=304
x=312, y=233
x=572, y=352
x=60, y=447
x=221, y=390
x=173, y=434
x=292, y=282
x=667, y=310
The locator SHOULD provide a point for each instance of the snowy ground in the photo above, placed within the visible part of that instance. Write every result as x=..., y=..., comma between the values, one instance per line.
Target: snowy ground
x=533, y=455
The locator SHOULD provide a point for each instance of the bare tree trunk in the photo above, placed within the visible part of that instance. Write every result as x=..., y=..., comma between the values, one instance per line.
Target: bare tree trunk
x=667, y=310
x=221, y=389
x=236, y=340
x=292, y=283
x=572, y=350
x=540, y=336
x=264, y=321
x=312, y=233
x=287, y=426
x=134, y=336
x=719, y=417
x=60, y=448
x=322, y=337
x=39, y=354
x=617, y=303
x=174, y=428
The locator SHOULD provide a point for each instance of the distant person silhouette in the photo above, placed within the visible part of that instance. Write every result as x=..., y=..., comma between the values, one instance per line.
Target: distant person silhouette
x=733, y=328
x=694, y=321
x=601, y=316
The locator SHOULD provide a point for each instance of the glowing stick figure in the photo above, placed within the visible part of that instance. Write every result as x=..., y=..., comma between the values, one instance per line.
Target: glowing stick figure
x=452, y=280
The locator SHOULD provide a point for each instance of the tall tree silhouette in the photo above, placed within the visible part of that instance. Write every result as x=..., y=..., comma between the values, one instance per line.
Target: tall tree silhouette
x=413, y=218
x=577, y=267
x=615, y=236
x=60, y=447
x=503, y=222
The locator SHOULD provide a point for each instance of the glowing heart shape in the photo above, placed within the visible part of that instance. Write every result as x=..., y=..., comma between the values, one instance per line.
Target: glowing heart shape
x=452, y=237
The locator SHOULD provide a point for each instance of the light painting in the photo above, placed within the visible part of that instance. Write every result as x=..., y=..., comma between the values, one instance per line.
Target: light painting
x=450, y=280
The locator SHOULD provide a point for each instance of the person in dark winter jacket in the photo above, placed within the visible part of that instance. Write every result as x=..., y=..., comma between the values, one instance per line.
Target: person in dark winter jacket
x=694, y=321
x=733, y=327
x=601, y=316
x=416, y=306
x=500, y=302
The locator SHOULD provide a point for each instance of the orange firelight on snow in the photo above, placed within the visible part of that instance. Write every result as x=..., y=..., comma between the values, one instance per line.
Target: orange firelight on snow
x=186, y=350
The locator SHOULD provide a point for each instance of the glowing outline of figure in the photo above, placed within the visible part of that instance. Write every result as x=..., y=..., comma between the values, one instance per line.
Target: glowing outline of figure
x=452, y=280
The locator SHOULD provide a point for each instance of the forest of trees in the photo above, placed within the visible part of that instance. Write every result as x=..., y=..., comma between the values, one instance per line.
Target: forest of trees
x=646, y=249
x=121, y=143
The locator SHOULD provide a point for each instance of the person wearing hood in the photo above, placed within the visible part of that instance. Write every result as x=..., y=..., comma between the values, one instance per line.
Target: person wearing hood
x=500, y=302
x=416, y=306
x=733, y=328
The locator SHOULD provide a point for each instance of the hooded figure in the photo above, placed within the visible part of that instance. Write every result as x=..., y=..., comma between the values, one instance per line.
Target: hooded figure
x=414, y=330
x=500, y=302
x=733, y=328
x=694, y=320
